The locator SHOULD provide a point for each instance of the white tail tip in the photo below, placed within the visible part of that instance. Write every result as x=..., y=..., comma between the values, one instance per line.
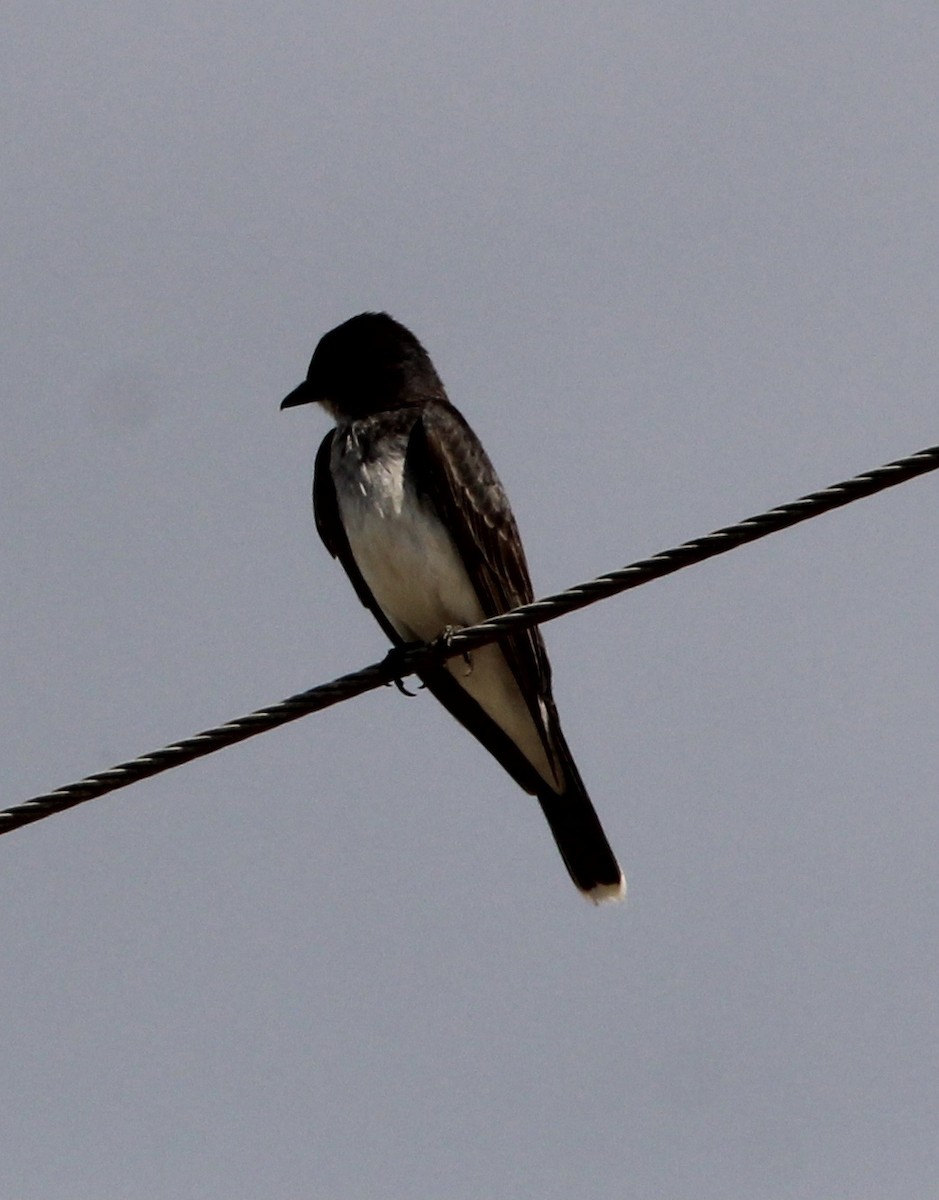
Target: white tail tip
x=607, y=893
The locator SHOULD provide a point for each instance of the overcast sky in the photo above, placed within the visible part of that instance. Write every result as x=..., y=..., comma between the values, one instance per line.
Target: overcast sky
x=676, y=263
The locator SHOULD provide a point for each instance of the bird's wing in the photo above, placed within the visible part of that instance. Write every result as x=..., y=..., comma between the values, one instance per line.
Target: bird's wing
x=449, y=467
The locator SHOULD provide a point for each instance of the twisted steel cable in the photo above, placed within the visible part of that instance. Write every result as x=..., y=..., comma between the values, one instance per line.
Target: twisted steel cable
x=401, y=663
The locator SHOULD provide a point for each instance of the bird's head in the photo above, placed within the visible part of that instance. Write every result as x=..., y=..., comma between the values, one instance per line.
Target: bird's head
x=368, y=364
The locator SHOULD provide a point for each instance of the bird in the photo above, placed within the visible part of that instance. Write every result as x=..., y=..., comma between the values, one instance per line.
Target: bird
x=406, y=498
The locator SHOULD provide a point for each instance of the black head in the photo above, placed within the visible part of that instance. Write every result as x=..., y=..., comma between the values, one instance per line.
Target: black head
x=368, y=364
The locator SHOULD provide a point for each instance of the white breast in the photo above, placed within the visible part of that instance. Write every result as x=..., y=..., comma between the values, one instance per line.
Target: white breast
x=412, y=568
x=406, y=556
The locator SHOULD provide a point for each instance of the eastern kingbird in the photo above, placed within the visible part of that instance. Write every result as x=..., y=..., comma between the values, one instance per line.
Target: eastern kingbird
x=405, y=497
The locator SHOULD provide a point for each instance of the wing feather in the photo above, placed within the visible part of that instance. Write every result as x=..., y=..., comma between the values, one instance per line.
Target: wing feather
x=449, y=465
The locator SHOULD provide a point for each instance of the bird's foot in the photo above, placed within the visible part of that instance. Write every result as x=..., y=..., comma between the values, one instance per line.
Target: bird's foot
x=446, y=639
x=397, y=658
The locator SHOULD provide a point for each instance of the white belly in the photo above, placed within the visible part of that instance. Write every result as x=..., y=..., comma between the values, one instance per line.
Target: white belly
x=405, y=555
x=413, y=570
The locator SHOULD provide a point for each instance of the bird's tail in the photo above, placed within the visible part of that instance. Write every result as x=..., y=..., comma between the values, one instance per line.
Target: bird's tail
x=576, y=827
x=583, y=844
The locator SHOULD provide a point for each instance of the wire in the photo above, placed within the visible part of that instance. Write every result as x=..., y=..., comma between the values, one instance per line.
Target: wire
x=401, y=663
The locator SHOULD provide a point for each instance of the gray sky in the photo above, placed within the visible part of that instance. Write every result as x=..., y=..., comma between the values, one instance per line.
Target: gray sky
x=690, y=254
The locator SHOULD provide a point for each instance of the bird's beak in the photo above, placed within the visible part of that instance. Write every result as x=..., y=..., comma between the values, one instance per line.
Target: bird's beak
x=300, y=395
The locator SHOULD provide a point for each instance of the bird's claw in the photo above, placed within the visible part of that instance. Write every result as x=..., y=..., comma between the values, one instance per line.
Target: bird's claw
x=397, y=659
x=446, y=639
